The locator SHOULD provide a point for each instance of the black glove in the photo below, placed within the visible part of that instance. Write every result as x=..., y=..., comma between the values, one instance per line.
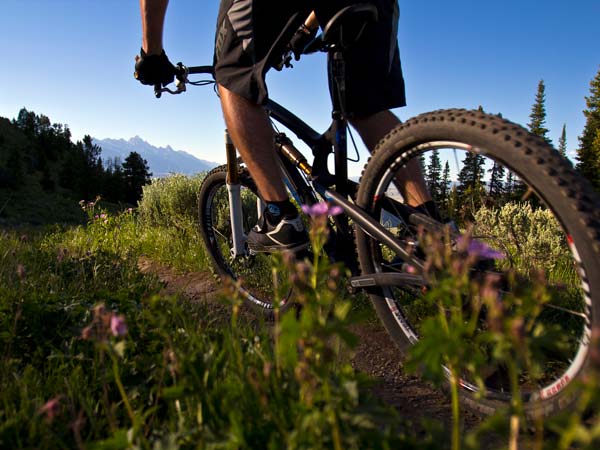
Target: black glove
x=301, y=39
x=154, y=69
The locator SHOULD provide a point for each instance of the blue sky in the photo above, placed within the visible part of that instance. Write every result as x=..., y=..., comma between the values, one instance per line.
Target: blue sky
x=73, y=61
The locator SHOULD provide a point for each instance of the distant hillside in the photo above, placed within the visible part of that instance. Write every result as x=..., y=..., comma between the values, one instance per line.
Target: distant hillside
x=161, y=160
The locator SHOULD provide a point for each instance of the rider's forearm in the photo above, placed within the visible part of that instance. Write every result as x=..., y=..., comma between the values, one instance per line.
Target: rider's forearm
x=153, y=18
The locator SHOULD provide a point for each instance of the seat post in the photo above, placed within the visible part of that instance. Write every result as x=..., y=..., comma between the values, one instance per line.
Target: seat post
x=337, y=67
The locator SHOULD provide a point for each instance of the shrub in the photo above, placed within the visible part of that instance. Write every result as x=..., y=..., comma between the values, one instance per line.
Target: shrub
x=504, y=228
x=171, y=201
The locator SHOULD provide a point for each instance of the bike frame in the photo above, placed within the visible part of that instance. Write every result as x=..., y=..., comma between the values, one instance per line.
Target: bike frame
x=306, y=183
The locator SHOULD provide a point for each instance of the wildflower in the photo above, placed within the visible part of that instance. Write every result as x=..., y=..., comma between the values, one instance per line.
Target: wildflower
x=479, y=249
x=86, y=333
x=51, y=409
x=103, y=216
x=411, y=269
x=118, y=326
x=322, y=209
x=129, y=210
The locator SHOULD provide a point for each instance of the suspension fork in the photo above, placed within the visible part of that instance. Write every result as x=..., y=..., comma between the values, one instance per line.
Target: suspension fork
x=238, y=244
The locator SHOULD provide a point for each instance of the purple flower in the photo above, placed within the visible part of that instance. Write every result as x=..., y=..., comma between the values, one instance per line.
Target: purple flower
x=51, y=409
x=322, y=209
x=118, y=326
x=480, y=249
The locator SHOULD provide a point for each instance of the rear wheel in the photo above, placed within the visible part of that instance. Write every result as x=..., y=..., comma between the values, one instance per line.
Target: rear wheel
x=254, y=277
x=516, y=194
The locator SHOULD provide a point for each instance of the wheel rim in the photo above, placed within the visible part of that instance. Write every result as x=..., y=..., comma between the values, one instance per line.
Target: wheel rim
x=571, y=303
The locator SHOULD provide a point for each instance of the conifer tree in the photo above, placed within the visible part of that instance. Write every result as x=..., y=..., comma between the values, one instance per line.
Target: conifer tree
x=445, y=188
x=562, y=142
x=509, y=186
x=137, y=174
x=587, y=155
x=496, y=187
x=434, y=174
x=470, y=189
x=538, y=114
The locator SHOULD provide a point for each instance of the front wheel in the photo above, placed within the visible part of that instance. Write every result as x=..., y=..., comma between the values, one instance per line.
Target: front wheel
x=253, y=275
x=515, y=194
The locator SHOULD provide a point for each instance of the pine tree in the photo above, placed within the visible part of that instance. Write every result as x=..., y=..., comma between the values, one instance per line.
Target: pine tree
x=509, y=186
x=445, y=189
x=588, y=157
x=434, y=174
x=562, y=142
x=496, y=187
x=470, y=189
x=137, y=174
x=538, y=114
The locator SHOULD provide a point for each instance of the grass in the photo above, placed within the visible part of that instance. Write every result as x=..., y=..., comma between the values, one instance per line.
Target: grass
x=186, y=375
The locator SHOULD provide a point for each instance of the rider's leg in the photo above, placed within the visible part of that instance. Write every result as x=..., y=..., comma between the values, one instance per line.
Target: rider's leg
x=280, y=227
x=410, y=179
x=251, y=132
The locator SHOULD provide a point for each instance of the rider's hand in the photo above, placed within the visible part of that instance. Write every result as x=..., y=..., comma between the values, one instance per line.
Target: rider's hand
x=301, y=39
x=154, y=69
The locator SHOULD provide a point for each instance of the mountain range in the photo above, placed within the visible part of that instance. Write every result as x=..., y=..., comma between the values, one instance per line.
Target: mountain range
x=162, y=161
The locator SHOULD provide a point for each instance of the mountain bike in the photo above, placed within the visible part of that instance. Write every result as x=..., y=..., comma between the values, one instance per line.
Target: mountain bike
x=541, y=215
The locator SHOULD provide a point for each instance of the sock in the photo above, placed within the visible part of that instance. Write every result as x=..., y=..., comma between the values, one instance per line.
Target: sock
x=275, y=211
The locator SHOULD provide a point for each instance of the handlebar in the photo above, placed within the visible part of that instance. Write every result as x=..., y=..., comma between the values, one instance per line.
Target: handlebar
x=182, y=72
x=181, y=79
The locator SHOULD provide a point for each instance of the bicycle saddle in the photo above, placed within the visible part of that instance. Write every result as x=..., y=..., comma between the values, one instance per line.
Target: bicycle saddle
x=348, y=24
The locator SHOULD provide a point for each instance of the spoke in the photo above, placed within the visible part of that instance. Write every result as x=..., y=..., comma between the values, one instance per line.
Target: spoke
x=220, y=234
x=570, y=311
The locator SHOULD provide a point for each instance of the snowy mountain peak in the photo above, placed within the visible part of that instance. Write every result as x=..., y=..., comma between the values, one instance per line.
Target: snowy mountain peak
x=161, y=160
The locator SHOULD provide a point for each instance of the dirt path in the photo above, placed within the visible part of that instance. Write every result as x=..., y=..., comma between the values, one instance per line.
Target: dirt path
x=376, y=354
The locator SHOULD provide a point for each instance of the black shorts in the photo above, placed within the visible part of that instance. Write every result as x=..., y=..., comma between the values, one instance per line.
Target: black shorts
x=252, y=35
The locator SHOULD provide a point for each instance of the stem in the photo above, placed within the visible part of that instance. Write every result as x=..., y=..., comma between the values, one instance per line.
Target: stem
x=517, y=407
x=455, y=410
x=123, y=394
x=337, y=439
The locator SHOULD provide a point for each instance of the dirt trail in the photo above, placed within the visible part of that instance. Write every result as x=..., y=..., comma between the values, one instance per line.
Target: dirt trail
x=376, y=354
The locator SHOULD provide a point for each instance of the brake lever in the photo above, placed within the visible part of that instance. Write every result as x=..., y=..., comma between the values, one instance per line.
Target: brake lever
x=285, y=61
x=180, y=82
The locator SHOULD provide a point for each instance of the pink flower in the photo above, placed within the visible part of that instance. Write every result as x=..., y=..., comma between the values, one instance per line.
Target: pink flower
x=322, y=209
x=87, y=332
x=51, y=409
x=118, y=326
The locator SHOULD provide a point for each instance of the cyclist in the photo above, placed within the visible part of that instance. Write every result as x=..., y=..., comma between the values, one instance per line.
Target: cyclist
x=249, y=40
